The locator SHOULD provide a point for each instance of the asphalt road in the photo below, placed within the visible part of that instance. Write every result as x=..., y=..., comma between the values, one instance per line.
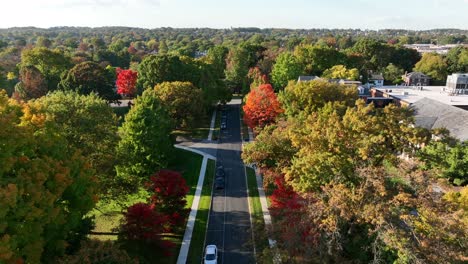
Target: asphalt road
x=229, y=226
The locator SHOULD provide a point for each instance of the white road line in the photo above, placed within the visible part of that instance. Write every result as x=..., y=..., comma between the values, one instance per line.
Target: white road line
x=212, y=124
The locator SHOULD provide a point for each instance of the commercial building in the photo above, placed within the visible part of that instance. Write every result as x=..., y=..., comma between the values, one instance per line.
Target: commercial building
x=457, y=83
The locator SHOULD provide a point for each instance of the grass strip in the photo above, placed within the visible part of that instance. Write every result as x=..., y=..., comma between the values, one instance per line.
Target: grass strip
x=198, y=237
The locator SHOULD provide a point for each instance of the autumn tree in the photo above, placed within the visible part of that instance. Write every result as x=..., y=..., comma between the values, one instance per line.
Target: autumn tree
x=169, y=190
x=183, y=101
x=46, y=187
x=272, y=151
x=32, y=83
x=433, y=65
x=256, y=77
x=126, y=82
x=332, y=144
x=304, y=98
x=146, y=144
x=261, y=107
x=286, y=68
x=143, y=226
x=88, y=123
x=341, y=72
x=98, y=251
x=89, y=77
x=51, y=63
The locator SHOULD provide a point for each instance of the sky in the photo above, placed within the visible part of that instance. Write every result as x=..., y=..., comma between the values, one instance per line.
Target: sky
x=362, y=14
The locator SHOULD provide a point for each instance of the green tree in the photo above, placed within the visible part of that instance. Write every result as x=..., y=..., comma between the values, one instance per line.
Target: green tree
x=237, y=69
x=46, y=187
x=341, y=72
x=89, y=124
x=286, y=68
x=51, y=63
x=457, y=60
x=89, y=77
x=156, y=69
x=217, y=57
x=146, y=144
x=393, y=74
x=183, y=101
x=43, y=42
x=448, y=160
x=316, y=59
x=433, y=65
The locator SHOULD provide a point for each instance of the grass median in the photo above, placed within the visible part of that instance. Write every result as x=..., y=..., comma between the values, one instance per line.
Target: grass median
x=198, y=237
x=260, y=236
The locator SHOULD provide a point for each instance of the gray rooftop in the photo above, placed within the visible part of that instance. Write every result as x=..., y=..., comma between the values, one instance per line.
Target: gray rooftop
x=307, y=78
x=432, y=114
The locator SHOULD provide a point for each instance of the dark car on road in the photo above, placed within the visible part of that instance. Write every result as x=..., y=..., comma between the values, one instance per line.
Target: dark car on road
x=219, y=183
x=220, y=172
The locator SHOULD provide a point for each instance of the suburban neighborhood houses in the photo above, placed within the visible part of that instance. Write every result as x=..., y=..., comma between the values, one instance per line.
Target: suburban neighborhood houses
x=182, y=132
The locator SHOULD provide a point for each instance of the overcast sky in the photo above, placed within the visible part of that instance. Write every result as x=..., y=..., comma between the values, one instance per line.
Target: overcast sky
x=363, y=14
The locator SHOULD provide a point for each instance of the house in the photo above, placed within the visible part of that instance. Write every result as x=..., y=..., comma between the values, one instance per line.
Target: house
x=416, y=79
x=349, y=82
x=376, y=80
x=457, y=83
x=432, y=114
x=305, y=78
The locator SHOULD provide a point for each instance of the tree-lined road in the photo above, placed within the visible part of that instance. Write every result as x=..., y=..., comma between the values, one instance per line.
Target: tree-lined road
x=229, y=224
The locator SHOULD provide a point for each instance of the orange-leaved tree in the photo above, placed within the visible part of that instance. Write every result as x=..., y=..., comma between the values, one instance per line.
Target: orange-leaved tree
x=261, y=107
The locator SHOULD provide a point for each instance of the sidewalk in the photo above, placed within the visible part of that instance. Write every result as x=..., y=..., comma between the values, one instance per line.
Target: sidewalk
x=196, y=148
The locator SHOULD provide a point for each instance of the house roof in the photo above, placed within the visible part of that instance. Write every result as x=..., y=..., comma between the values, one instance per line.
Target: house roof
x=307, y=78
x=432, y=114
x=376, y=77
x=419, y=74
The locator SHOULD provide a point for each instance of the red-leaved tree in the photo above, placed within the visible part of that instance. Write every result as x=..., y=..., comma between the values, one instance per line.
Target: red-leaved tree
x=126, y=82
x=169, y=190
x=262, y=106
x=143, y=224
x=295, y=231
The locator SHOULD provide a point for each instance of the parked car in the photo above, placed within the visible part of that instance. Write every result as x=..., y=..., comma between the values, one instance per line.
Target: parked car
x=219, y=183
x=211, y=254
x=220, y=173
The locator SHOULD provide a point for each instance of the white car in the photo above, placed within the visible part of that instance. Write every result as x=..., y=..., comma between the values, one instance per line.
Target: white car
x=211, y=254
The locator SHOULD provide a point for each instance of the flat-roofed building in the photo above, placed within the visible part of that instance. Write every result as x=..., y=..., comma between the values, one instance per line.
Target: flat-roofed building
x=457, y=83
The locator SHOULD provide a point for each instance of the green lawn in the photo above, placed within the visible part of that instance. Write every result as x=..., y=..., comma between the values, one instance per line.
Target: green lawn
x=261, y=240
x=200, y=132
x=188, y=163
x=121, y=112
x=199, y=231
x=108, y=213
